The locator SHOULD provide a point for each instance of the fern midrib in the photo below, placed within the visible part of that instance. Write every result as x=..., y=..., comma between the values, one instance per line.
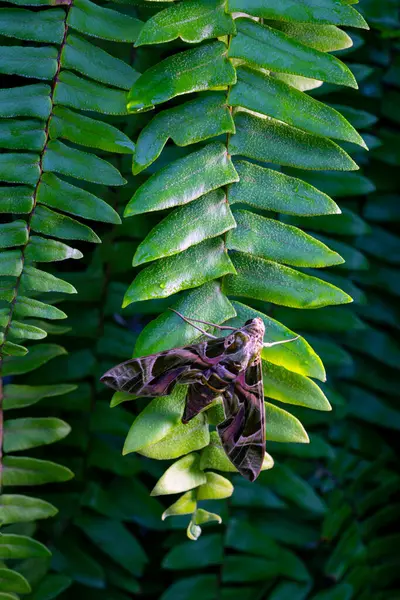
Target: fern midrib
x=228, y=137
x=41, y=158
x=28, y=223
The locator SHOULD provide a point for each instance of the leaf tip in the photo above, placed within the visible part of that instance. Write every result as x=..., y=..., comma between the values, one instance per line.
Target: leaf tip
x=126, y=302
x=362, y=23
x=137, y=167
x=69, y=474
x=339, y=260
x=129, y=211
x=337, y=210
x=137, y=259
x=353, y=83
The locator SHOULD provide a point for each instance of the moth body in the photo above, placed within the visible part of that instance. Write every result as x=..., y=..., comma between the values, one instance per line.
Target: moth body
x=227, y=367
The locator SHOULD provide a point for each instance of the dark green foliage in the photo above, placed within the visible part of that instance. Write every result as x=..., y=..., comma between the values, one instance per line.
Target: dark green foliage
x=230, y=214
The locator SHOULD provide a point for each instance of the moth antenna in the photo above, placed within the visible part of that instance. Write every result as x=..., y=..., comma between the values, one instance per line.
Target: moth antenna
x=268, y=345
x=213, y=337
x=204, y=322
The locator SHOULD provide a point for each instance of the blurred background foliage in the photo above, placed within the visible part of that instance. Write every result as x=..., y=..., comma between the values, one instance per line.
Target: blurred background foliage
x=323, y=523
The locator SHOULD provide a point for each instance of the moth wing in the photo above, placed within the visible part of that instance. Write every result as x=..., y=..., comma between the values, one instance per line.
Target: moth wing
x=243, y=431
x=157, y=374
x=198, y=398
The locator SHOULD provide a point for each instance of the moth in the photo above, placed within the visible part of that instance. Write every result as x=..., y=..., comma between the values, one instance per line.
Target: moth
x=227, y=367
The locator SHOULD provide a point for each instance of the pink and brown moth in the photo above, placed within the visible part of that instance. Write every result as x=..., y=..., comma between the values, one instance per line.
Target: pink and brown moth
x=227, y=367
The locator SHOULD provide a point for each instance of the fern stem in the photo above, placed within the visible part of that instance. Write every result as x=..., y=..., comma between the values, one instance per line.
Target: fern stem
x=228, y=135
x=30, y=216
x=28, y=222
